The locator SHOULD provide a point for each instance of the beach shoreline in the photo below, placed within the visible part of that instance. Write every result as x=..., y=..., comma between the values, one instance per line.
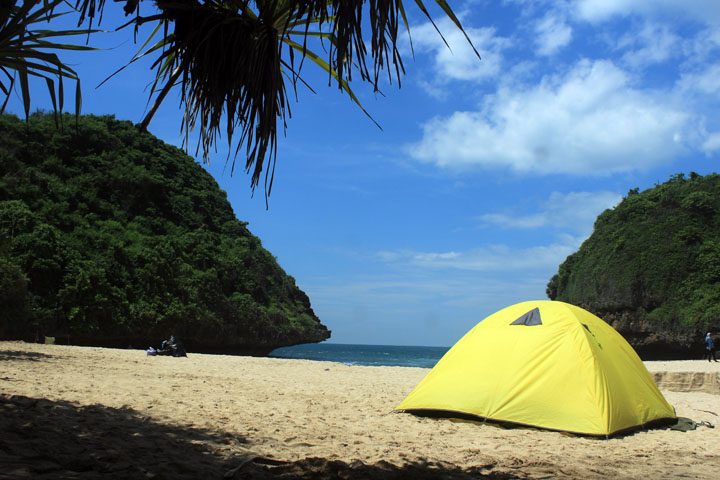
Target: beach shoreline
x=157, y=413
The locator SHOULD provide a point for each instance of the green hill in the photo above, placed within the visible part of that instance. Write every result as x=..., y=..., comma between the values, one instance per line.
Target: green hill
x=651, y=268
x=110, y=237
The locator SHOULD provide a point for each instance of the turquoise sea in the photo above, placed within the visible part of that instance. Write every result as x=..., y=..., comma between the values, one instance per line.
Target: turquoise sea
x=371, y=355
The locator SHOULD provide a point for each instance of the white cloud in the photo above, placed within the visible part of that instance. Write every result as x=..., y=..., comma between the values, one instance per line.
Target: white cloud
x=511, y=221
x=703, y=47
x=436, y=257
x=501, y=258
x=493, y=258
x=574, y=210
x=588, y=122
x=652, y=44
x=600, y=10
x=705, y=81
x=705, y=11
x=712, y=143
x=459, y=62
x=700, y=89
x=553, y=33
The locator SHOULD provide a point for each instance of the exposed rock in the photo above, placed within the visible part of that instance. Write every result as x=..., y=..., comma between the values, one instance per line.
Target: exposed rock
x=651, y=268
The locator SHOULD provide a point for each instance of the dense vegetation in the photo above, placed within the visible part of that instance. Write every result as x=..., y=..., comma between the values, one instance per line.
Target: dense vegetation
x=652, y=266
x=108, y=236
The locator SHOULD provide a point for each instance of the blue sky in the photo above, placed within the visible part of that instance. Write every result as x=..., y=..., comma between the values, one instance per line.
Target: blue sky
x=486, y=175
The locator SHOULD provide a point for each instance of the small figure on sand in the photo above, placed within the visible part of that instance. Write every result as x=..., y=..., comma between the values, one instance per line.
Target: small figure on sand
x=710, y=347
x=173, y=346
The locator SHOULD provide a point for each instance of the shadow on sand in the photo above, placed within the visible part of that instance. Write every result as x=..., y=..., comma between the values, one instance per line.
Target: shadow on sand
x=48, y=439
x=6, y=355
x=44, y=439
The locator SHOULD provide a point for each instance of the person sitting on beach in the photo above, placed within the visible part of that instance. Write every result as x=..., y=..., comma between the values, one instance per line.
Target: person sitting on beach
x=173, y=346
x=710, y=347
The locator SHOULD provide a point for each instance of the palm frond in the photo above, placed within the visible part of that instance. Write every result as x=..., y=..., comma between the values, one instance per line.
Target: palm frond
x=24, y=51
x=231, y=60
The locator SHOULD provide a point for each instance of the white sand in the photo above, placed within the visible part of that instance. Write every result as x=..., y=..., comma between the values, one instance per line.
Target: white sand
x=295, y=409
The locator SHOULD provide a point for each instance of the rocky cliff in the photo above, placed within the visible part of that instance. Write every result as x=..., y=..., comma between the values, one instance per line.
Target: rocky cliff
x=651, y=267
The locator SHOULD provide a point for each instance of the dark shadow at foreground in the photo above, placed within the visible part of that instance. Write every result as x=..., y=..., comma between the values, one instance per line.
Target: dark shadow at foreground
x=323, y=469
x=17, y=355
x=42, y=439
x=54, y=439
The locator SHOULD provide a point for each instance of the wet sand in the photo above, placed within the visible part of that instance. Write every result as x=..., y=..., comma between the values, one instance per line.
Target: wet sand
x=79, y=412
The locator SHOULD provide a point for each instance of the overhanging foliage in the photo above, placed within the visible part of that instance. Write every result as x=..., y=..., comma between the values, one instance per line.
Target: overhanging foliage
x=233, y=60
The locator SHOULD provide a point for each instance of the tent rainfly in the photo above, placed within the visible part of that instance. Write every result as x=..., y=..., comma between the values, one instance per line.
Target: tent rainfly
x=543, y=364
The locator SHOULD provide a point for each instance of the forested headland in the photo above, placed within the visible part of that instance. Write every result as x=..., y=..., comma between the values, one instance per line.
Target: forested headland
x=110, y=237
x=651, y=267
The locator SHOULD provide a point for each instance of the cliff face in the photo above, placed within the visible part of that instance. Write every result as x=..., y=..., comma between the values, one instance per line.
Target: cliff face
x=651, y=268
x=110, y=237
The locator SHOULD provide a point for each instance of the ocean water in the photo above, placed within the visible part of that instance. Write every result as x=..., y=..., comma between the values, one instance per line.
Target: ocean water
x=369, y=355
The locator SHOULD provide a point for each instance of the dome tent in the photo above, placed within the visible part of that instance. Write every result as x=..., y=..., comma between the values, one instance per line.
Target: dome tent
x=544, y=364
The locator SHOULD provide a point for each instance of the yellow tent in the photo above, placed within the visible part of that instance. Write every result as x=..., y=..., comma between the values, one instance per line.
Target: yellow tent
x=546, y=364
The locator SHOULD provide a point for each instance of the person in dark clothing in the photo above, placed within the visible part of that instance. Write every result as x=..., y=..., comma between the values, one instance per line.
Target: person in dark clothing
x=710, y=347
x=173, y=346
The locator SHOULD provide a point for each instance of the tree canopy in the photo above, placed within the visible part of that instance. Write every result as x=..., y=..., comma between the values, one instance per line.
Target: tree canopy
x=654, y=260
x=108, y=236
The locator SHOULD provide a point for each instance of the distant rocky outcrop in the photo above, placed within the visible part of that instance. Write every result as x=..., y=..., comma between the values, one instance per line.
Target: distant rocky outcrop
x=110, y=237
x=651, y=267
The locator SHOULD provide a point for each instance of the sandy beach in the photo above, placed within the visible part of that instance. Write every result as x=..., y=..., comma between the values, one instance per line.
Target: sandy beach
x=79, y=412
